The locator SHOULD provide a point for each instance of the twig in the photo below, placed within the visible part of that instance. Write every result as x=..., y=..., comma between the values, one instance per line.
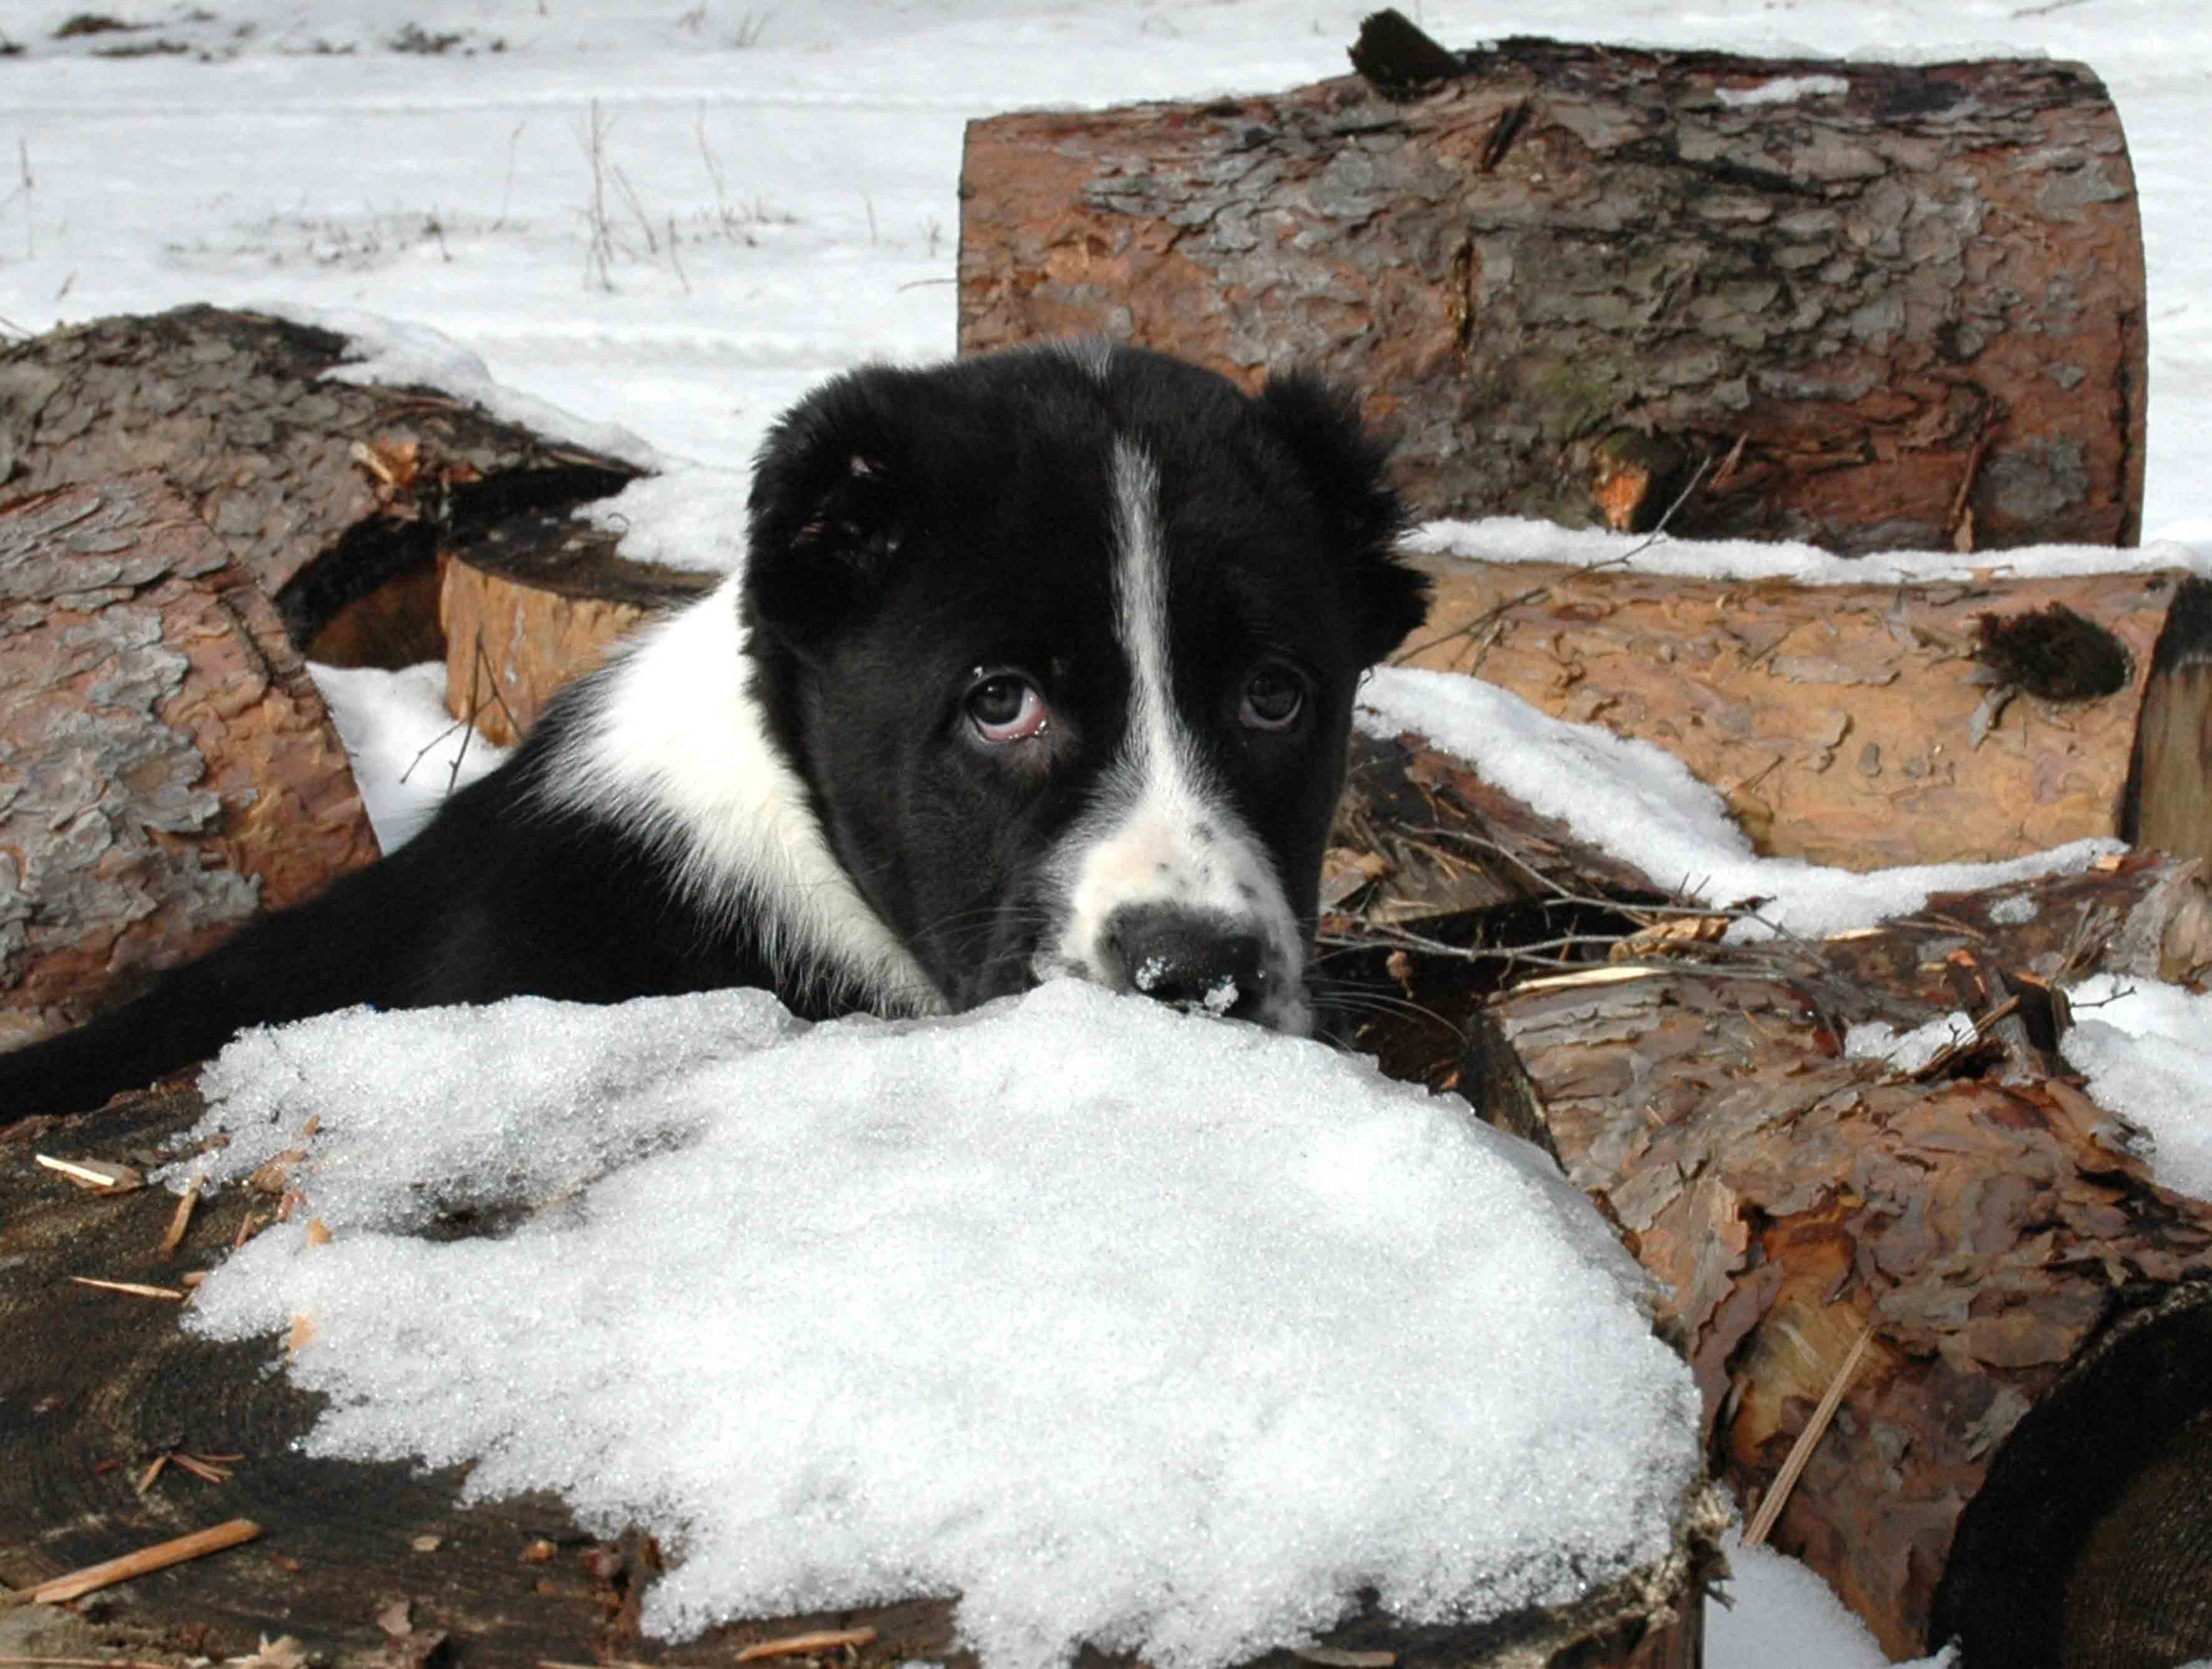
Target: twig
x=160, y=1556
x=100, y=1175
x=1802, y=1451
x=807, y=1645
x=135, y=1289
x=181, y=1219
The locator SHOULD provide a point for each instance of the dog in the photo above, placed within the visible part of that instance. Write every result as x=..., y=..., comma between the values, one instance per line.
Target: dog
x=1038, y=663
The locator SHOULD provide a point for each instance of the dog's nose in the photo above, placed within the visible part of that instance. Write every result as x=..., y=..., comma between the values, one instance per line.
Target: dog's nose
x=1187, y=957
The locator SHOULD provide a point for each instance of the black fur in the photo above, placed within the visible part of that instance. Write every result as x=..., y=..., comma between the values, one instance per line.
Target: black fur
x=907, y=530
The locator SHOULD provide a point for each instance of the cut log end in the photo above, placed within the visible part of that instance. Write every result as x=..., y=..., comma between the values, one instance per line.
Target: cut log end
x=539, y=602
x=2089, y=1542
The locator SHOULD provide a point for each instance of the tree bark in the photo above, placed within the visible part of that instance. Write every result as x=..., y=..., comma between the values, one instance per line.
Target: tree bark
x=1884, y=306
x=1867, y=726
x=167, y=767
x=1986, y=1222
x=334, y=496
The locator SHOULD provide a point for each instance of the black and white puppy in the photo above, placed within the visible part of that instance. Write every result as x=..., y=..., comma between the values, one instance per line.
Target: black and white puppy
x=1039, y=663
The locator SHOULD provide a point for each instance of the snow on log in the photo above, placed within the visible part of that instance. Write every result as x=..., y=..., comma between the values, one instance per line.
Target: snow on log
x=1871, y=306
x=112, y=1376
x=1901, y=721
x=168, y=768
x=2019, y=1456
x=335, y=495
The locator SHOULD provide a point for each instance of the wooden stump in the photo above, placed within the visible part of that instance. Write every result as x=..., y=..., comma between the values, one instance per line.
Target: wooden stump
x=167, y=767
x=1866, y=726
x=107, y=1382
x=536, y=602
x=1885, y=305
x=2027, y=1423
x=335, y=497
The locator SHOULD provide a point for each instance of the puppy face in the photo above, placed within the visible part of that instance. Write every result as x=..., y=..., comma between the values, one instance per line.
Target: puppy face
x=1063, y=642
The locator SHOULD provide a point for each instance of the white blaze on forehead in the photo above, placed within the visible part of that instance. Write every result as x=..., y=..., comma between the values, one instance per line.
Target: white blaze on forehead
x=1161, y=831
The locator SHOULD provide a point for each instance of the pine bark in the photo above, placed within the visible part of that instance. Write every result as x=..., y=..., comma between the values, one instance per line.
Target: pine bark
x=1880, y=306
x=2020, y=1457
x=167, y=767
x=1867, y=726
x=336, y=497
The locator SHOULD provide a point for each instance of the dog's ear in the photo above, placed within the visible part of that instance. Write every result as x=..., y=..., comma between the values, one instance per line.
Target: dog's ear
x=826, y=516
x=1346, y=469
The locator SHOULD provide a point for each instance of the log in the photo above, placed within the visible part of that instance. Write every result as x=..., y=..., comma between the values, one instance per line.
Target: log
x=1898, y=722
x=104, y=1382
x=334, y=496
x=2021, y=1457
x=168, y=766
x=1884, y=306
x=538, y=600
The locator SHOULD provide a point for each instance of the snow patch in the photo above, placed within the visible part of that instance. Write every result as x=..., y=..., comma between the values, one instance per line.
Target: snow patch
x=853, y=1310
x=407, y=752
x=1907, y=1051
x=2146, y=1048
x=1784, y=90
x=1512, y=539
x=393, y=353
x=1642, y=804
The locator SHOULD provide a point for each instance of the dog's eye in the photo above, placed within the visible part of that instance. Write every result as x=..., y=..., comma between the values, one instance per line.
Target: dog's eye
x=1005, y=707
x=1274, y=696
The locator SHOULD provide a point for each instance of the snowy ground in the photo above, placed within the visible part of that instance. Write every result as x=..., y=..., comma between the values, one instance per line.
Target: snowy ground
x=677, y=218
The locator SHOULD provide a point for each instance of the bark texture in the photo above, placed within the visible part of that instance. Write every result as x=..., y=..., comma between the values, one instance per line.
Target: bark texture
x=1885, y=305
x=1867, y=726
x=325, y=490
x=1993, y=1228
x=166, y=768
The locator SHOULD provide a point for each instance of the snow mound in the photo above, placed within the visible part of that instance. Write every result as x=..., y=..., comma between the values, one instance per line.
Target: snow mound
x=1127, y=1326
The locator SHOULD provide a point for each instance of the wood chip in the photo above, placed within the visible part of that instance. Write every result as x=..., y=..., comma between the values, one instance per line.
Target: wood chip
x=159, y=1556
x=807, y=1645
x=318, y=1234
x=1336, y=1657
x=181, y=1219
x=102, y=1176
x=136, y=1289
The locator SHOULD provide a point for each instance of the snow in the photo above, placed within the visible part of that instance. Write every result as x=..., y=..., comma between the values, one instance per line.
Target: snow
x=1784, y=90
x=2146, y=1048
x=407, y=752
x=775, y=193
x=1776, y=1611
x=852, y=1312
x=1632, y=799
x=1510, y=539
x=1906, y=1052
